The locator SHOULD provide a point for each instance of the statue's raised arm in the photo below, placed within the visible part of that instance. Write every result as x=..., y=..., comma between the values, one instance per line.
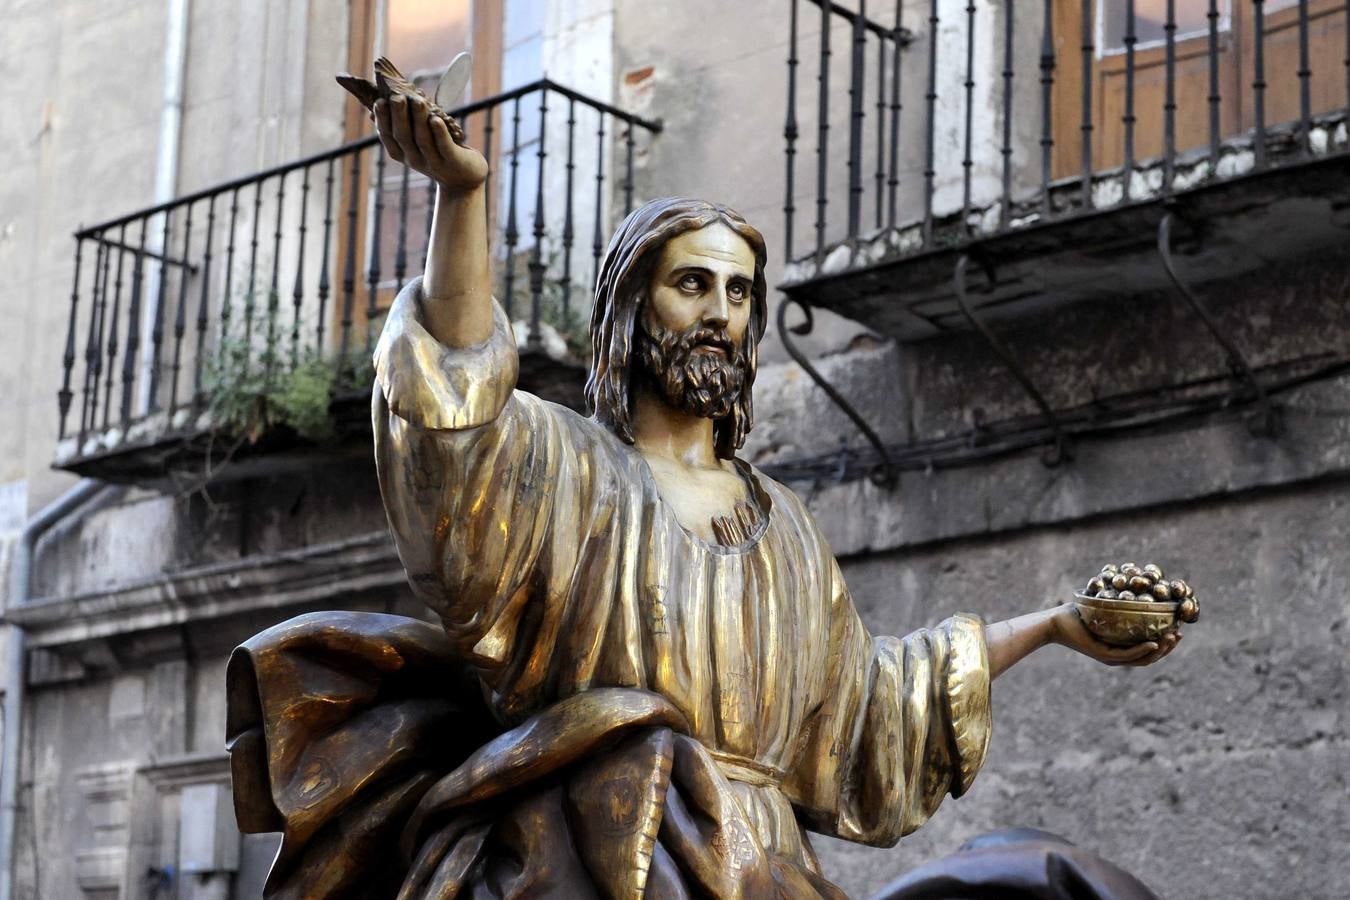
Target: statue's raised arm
x=457, y=285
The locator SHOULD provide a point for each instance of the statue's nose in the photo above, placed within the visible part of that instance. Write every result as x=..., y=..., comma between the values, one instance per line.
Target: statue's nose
x=718, y=311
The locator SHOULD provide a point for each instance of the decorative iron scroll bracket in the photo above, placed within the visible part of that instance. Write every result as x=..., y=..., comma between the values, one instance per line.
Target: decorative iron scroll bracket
x=885, y=473
x=1266, y=423
x=1061, y=451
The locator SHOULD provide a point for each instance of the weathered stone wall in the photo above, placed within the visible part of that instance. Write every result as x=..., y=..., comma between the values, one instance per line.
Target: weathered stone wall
x=1221, y=772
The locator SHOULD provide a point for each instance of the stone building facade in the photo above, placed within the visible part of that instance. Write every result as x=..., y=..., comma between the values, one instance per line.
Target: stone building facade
x=1219, y=773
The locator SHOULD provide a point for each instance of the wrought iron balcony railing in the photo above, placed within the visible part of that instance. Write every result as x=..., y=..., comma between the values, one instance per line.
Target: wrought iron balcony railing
x=294, y=266
x=973, y=121
x=1010, y=158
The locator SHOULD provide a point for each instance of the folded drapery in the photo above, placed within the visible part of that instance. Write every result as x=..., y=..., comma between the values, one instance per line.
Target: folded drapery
x=357, y=736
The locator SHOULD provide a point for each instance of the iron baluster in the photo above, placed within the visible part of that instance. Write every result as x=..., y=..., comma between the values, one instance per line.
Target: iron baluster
x=1213, y=16
x=349, y=266
x=373, y=266
x=401, y=248
x=569, y=230
x=92, y=350
x=64, y=395
x=1170, y=96
x=967, y=162
x=929, y=172
x=1304, y=78
x=1127, y=120
x=879, y=179
x=157, y=315
x=203, y=304
x=855, y=121
x=893, y=178
x=1259, y=79
x=1047, y=88
x=114, y=319
x=180, y=317
x=512, y=234
x=790, y=132
x=274, y=287
x=102, y=307
x=298, y=291
x=250, y=299
x=226, y=298
x=133, y=327
x=324, y=285
x=1005, y=201
x=822, y=127
x=598, y=234
x=1086, y=124
x=537, y=263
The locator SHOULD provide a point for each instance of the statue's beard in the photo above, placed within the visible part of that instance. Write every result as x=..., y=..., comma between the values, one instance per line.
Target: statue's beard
x=691, y=376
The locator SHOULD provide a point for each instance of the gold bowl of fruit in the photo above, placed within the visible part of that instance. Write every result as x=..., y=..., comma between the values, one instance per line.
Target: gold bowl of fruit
x=1128, y=604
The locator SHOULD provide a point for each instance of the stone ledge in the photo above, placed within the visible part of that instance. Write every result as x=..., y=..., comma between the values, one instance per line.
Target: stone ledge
x=207, y=592
x=1215, y=457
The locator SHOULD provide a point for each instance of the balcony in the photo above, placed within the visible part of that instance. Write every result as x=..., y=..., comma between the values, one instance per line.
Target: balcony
x=235, y=325
x=991, y=160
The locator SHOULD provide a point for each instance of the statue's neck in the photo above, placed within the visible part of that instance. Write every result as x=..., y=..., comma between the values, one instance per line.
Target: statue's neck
x=660, y=430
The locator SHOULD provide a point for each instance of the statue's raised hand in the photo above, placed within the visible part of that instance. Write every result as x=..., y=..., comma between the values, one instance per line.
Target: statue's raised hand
x=415, y=133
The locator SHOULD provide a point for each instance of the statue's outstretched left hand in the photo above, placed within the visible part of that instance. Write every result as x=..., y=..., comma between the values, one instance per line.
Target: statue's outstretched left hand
x=1068, y=630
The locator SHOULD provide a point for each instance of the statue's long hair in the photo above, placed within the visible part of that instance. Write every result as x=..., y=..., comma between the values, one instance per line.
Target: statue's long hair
x=620, y=291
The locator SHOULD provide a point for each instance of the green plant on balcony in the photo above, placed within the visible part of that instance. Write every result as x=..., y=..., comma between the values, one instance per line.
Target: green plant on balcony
x=253, y=388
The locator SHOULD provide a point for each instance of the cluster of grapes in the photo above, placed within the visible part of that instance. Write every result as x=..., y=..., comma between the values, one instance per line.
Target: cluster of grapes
x=1131, y=582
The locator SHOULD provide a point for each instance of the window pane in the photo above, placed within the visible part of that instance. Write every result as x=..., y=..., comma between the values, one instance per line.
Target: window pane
x=1150, y=17
x=425, y=35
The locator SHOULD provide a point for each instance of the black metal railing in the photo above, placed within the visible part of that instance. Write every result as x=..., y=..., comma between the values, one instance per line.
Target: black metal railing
x=866, y=40
x=298, y=262
x=991, y=116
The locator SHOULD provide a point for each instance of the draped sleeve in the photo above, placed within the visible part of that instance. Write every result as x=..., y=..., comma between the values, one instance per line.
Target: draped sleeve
x=902, y=723
x=484, y=487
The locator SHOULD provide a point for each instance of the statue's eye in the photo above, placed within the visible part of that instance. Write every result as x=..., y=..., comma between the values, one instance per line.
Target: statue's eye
x=690, y=283
x=736, y=290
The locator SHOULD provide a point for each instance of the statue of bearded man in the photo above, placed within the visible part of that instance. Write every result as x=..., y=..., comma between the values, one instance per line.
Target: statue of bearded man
x=649, y=676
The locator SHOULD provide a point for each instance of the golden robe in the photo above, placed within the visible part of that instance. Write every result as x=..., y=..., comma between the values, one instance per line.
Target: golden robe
x=540, y=540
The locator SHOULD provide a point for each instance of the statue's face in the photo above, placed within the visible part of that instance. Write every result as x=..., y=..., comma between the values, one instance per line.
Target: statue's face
x=703, y=277
x=693, y=324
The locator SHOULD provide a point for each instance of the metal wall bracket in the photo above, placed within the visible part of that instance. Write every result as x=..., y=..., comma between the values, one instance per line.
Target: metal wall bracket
x=1061, y=451
x=883, y=474
x=1266, y=423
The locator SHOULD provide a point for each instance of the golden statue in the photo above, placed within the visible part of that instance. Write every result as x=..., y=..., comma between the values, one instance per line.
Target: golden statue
x=650, y=679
